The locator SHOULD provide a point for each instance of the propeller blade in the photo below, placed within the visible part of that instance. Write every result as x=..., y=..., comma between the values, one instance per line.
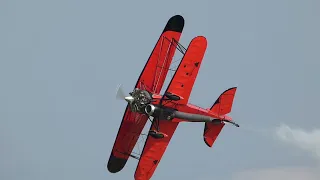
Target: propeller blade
x=120, y=95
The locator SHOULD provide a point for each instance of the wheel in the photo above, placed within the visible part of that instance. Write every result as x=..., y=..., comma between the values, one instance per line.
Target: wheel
x=156, y=135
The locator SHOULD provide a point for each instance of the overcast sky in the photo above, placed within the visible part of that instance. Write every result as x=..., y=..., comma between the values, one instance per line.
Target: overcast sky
x=61, y=61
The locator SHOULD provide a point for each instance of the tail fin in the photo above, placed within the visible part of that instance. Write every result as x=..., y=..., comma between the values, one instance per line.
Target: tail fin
x=222, y=106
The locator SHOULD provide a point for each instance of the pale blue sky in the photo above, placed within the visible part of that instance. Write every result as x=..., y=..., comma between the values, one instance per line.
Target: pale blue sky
x=60, y=63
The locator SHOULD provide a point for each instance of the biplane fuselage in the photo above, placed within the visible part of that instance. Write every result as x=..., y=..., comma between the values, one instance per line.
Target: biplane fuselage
x=189, y=108
x=169, y=109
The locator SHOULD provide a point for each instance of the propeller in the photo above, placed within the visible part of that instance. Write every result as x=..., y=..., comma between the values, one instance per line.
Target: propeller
x=120, y=95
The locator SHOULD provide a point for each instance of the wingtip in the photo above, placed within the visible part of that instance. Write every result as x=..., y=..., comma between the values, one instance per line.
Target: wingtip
x=234, y=87
x=175, y=23
x=115, y=164
x=206, y=142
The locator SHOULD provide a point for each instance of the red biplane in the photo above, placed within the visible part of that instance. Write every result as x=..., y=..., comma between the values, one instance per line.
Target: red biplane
x=167, y=110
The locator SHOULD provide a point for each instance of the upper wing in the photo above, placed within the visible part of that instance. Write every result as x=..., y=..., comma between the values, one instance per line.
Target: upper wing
x=156, y=69
x=186, y=74
x=152, y=79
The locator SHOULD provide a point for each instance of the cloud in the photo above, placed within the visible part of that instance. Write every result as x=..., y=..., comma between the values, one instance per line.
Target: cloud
x=303, y=139
x=308, y=141
x=292, y=173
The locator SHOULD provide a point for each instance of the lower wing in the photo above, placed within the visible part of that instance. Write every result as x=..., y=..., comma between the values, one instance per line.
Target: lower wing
x=154, y=149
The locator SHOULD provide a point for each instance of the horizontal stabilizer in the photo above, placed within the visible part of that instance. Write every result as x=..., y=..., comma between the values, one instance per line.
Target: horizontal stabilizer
x=211, y=132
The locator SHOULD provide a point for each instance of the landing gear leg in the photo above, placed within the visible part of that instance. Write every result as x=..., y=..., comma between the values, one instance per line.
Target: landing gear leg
x=156, y=133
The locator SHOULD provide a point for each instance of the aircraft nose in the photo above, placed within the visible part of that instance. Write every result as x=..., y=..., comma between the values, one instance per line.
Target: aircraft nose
x=129, y=99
